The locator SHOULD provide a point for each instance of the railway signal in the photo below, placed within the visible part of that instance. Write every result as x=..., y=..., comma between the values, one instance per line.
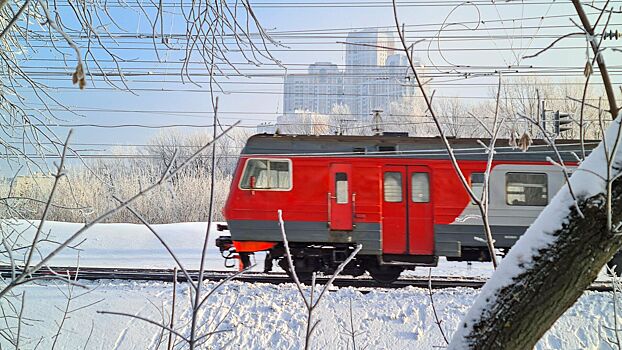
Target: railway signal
x=561, y=122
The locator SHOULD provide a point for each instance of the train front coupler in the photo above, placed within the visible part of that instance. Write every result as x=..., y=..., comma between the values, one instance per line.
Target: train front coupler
x=228, y=252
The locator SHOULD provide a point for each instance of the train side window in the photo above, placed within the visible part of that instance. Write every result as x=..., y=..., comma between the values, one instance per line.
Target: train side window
x=392, y=186
x=341, y=187
x=477, y=184
x=526, y=189
x=420, y=187
x=266, y=174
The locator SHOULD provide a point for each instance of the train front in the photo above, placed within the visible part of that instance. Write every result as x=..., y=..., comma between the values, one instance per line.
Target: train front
x=260, y=185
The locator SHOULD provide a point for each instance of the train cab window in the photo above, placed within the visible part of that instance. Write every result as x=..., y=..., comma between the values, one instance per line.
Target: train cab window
x=526, y=189
x=266, y=174
x=420, y=187
x=477, y=184
x=341, y=187
x=392, y=186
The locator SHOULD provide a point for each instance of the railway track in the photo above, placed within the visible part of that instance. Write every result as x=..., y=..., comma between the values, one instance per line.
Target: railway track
x=167, y=275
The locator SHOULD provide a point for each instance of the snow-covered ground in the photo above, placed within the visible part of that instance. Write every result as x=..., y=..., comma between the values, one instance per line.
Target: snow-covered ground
x=258, y=316
x=273, y=317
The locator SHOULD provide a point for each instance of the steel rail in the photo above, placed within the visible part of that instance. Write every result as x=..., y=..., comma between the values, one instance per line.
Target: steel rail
x=167, y=275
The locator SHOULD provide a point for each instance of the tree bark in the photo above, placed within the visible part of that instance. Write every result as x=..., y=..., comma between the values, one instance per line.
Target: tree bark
x=532, y=289
x=543, y=284
x=526, y=309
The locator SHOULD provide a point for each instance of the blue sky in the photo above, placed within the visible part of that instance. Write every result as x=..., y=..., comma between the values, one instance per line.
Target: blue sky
x=259, y=99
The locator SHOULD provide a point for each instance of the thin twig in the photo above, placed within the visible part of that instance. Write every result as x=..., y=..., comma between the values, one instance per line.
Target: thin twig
x=172, y=323
x=450, y=153
x=553, y=44
x=162, y=241
x=19, y=321
x=436, y=318
x=14, y=19
x=600, y=60
x=313, y=301
x=59, y=174
x=289, y=258
x=197, y=297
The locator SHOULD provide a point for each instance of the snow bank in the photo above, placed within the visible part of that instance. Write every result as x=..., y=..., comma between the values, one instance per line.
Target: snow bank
x=128, y=245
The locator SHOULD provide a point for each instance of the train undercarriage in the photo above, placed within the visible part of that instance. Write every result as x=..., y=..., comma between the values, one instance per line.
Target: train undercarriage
x=326, y=259
x=322, y=258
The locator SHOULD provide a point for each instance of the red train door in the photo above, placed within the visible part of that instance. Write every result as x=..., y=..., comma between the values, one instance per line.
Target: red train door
x=340, y=197
x=407, y=223
x=420, y=215
x=394, y=210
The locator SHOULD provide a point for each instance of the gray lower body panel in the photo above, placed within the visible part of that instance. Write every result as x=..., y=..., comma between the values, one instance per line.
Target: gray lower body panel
x=449, y=239
x=367, y=234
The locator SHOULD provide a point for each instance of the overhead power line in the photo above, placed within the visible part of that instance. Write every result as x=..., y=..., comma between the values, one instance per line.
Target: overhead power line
x=416, y=50
x=366, y=4
x=279, y=92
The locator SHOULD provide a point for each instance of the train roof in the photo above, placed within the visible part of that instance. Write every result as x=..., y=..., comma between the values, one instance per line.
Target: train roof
x=403, y=146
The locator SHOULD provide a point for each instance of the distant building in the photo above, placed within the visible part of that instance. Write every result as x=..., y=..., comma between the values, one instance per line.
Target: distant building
x=367, y=49
x=375, y=76
x=385, y=85
x=317, y=91
x=366, y=55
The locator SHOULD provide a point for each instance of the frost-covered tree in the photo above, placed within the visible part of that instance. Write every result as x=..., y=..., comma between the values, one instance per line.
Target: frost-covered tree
x=524, y=96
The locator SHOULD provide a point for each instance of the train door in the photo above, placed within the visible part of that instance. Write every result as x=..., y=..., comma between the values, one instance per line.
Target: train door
x=340, y=197
x=394, y=210
x=407, y=223
x=420, y=215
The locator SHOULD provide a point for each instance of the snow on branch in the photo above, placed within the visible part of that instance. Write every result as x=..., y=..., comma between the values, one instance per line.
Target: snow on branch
x=592, y=185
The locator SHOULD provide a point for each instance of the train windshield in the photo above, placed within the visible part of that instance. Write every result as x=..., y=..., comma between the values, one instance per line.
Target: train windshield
x=267, y=174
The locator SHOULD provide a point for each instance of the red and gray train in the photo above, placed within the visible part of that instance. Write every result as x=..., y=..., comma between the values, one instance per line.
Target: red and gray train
x=398, y=196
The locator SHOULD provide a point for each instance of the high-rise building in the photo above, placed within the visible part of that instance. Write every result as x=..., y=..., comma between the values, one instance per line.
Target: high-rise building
x=318, y=91
x=366, y=53
x=367, y=50
x=374, y=77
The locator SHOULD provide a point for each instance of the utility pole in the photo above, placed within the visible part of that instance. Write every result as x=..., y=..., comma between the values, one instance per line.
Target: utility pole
x=537, y=113
x=377, y=121
x=543, y=116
